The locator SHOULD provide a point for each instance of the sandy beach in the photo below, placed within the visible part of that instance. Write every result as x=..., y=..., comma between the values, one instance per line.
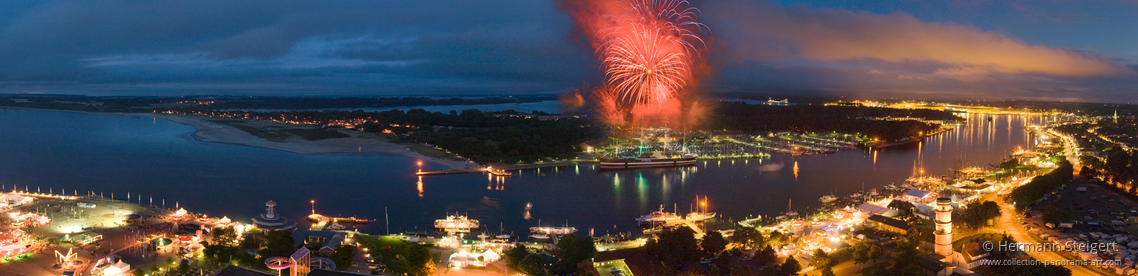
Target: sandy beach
x=205, y=131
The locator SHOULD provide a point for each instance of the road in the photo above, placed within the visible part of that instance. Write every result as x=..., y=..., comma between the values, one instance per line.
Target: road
x=1070, y=148
x=1010, y=223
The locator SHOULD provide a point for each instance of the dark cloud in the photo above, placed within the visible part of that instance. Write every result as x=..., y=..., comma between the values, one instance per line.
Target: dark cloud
x=345, y=46
x=301, y=47
x=839, y=51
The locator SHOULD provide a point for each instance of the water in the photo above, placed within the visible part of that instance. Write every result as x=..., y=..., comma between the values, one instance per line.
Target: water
x=549, y=106
x=109, y=153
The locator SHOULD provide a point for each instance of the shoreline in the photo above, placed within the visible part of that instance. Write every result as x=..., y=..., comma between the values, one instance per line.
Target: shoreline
x=358, y=142
x=208, y=132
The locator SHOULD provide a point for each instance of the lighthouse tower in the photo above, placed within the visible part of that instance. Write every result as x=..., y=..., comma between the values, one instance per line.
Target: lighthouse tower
x=943, y=232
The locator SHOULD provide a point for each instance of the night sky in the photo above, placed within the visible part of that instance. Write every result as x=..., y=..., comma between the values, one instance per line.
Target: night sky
x=1034, y=49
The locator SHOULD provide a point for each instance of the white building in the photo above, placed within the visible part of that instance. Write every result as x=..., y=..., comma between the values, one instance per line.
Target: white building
x=465, y=258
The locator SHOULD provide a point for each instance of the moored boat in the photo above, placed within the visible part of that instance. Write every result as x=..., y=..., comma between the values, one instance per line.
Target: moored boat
x=456, y=224
x=632, y=163
x=657, y=217
x=656, y=160
x=553, y=230
x=701, y=216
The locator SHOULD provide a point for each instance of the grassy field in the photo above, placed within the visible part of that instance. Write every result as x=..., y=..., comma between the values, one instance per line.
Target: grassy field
x=959, y=243
x=315, y=134
x=377, y=248
x=267, y=133
x=434, y=152
x=281, y=132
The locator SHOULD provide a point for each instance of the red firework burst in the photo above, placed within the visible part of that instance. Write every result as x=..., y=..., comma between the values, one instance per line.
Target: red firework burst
x=647, y=50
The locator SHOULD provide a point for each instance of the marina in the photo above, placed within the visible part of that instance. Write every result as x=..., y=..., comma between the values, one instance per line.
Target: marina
x=741, y=187
x=604, y=137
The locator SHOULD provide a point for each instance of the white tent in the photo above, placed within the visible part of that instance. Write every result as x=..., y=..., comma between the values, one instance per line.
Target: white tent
x=119, y=268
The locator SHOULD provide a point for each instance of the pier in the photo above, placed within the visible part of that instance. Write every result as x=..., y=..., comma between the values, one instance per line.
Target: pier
x=489, y=170
x=444, y=172
x=321, y=222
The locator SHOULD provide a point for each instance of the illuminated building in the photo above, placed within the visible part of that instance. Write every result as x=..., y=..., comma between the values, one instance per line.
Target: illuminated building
x=270, y=221
x=943, y=232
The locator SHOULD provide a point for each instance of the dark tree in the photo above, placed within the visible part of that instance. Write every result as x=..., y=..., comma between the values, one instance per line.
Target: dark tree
x=820, y=259
x=748, y=238
x=515, y=255
x=344, y=256
x=923, y=232
x=279, y=244
x=767, y=256
x=827, y=271
x=184, y=266
x=676, y=244
x=572, y=250
x=1027, y=194
x=739, y=270
x=905, y=261
x=866, y=251
x=533, y=265
x=978, y=214
x=777, y=238
x=790, y=266
x=713, y=242
x=419, y=261
x=876, y=270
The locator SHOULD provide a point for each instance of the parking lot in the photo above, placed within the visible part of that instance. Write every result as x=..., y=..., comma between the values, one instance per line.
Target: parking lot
x=1093, y=207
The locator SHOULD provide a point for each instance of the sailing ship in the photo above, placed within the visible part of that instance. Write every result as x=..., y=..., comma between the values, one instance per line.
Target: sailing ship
x=502, y=231
x=789, y=211
x=700, y=216
x=656, y=159
x=657, y=217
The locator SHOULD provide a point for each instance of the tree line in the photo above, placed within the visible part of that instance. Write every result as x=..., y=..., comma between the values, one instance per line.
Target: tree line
x=812, y=118
x=490, y=136
x=1025, y=195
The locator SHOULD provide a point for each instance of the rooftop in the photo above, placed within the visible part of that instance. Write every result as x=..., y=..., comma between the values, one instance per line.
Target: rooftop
x=322, y=272
x=917, y=193
x=233, y=270
x=637, y=260
x=872, y=209
x=889, y=221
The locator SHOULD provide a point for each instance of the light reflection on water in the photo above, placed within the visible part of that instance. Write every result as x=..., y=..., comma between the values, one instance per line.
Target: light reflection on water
x=743, y=189
x=120, y=154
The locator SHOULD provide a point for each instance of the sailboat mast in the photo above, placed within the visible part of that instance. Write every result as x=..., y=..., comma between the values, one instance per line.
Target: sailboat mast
x=683, y=141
